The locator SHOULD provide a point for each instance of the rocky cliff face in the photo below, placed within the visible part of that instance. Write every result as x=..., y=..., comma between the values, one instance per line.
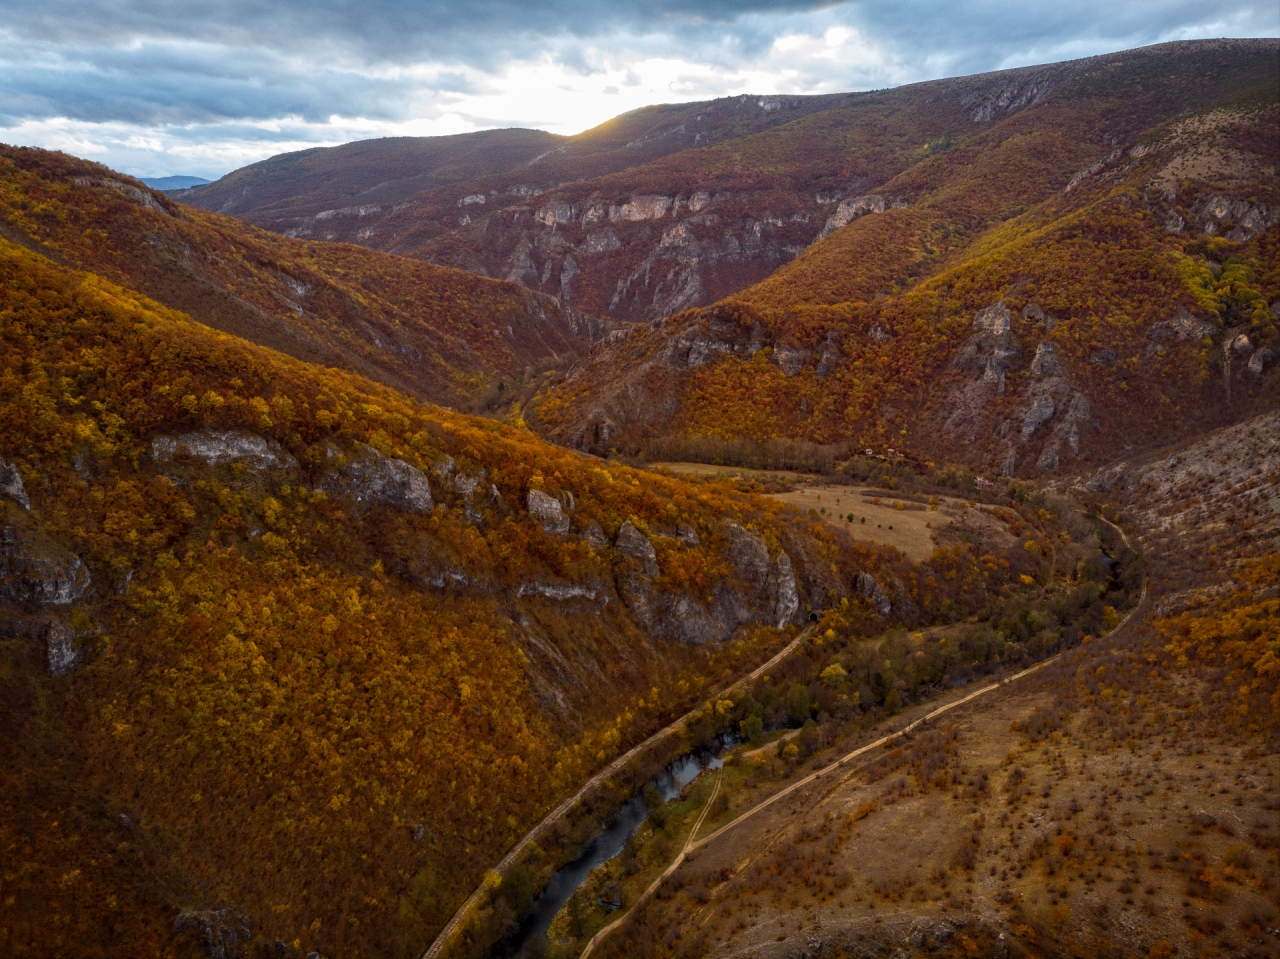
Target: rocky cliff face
x=371, y=477
x=221, y=933
x=762, y=591
x=1132, y=299
x=39, y=580
x=650, y=255
x=679, y=206
x=37, y=572
x=216, y=447
x=11, y=485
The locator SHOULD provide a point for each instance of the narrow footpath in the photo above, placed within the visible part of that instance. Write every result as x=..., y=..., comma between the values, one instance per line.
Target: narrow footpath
x=689, y=846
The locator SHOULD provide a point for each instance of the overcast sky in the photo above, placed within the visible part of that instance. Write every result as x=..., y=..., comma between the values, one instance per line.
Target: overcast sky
x=157, y=87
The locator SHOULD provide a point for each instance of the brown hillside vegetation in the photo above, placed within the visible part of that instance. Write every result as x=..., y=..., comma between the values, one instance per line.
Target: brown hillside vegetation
x=1012, y=316
x=292, y=616
x=1121, y=802
x=358, y=178
x=431, y=332
x=288, y=652
x=376, y=193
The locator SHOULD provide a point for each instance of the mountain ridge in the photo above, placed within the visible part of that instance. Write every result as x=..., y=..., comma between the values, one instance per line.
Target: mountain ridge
x=778, y=187
x=1045, y=306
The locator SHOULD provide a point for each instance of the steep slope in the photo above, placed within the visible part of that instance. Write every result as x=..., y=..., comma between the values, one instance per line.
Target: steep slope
x=288, y=655
x=376, y=192
x=1129, y=306
x=432, y=332
x=280, y=639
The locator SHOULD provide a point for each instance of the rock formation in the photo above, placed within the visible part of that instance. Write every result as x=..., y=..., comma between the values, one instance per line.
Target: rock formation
x=370, y=477
x=547, y=511
x=765, y=590
x=38, y=572
x=221, y=932
x=217, y=447
x=11, y=485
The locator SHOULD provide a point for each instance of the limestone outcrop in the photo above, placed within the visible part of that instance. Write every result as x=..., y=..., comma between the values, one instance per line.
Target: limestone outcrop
x=370, y=477
x=11, y=485
x=855, y=207
x=764, y=589
x=869, y=589
x=38, y=572
x=222, y=932
x=547, y=511
x=991, y=348
x=216, y=447
x=63, y=653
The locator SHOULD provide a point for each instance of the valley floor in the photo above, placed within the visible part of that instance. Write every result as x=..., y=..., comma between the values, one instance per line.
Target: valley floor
x=1030, y=833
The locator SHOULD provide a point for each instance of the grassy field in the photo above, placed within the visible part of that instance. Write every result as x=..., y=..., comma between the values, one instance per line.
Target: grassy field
x=732, y=472
x=872, y=515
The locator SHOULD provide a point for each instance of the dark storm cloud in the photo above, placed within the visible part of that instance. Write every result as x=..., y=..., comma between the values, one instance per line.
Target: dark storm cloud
x=481, y=30
x=163, y=84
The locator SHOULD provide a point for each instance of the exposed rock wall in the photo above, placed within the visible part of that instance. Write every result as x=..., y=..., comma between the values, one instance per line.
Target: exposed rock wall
x=763, y=590
x=221, y=932
x=11, y=485
x=217, y=447
x=548, y=511
x=371, y=477
x=36, y=571
x=63, y=653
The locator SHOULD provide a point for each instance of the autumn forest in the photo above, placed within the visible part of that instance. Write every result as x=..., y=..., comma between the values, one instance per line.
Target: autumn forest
x=351, y=585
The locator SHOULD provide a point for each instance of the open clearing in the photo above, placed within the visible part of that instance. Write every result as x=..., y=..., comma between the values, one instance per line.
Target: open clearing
x=728, y=472
x=914, y=528
x=879, y=516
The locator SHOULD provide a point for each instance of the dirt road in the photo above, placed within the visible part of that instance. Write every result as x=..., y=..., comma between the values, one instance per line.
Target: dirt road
x=689, y=846
x=509, y=860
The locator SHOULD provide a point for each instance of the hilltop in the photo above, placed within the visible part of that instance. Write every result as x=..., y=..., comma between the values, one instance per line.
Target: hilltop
x=397, y=194
x=678, y=206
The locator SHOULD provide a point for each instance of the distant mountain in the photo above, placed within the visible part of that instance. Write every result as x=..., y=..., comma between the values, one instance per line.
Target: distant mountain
x=679, y=206
x=367, y=174
x=167, y=183
x=1093, y=267
x=420, y=196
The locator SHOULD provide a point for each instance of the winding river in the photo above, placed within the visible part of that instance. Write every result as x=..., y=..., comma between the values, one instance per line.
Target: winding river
x=607, y=844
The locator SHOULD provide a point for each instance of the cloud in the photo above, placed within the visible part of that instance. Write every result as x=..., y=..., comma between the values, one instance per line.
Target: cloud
x=157, y=86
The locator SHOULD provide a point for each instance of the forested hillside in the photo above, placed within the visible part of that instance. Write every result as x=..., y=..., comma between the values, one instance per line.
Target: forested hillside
x=289, y=653
x=292, y=653
x=283, y=639
x=434, y=333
